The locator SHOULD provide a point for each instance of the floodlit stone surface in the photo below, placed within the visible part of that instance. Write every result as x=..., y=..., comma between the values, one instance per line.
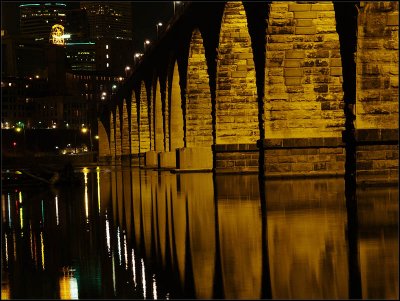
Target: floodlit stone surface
x=303, y=97
x=236, y=105
x=194, y=158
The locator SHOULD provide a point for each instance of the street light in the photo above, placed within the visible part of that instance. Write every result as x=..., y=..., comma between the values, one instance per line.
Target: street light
x=176, y=2
x=159, y=24
x=84, y=130
x=127, y=68
x=137, y=57
x=146, y=42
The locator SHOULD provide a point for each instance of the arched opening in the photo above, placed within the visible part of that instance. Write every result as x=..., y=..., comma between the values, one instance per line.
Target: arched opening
x=236, y=95
x=198, y=107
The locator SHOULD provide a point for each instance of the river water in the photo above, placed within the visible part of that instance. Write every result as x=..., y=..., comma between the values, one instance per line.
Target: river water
x=144, y=234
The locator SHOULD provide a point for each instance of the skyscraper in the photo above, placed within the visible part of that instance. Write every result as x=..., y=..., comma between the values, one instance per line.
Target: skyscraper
x=37, y=19
x=109, y=20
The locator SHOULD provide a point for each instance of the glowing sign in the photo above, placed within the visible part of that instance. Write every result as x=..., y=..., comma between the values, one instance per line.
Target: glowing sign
x=57, y=34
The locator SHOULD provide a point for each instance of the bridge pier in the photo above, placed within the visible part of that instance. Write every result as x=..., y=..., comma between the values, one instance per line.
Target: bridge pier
x=377, y=155
x=304, y=157
x=151, y=159
x=194, y=159
x=236, y=158
x=167, y=160
x=134, y=159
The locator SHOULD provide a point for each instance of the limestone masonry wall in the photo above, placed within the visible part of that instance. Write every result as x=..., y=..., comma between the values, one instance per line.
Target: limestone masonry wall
x=303, y=78
x=112, y=134
x=134, y=126
x=304, y=157
x=198, y=95
x=117, y=134
x=378, y=66
x=144, y=130
x=125, y=149
x=236, y=104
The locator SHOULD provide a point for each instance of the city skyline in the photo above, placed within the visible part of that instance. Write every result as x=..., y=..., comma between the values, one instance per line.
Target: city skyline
x=145, y=17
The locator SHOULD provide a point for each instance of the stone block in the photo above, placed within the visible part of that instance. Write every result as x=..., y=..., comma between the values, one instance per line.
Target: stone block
x=299, y=7
x=194, y=158
x=393, y=19
x=305, y=15
x=322, y=6
x=292, y=63
x=151, y=159
x=304, y=22
x=167, y=160
x=336, y=62
x=294, y=54
x=239, y=74
x=293, y=72
x=336, y=71
x=306, y=30
x=293, y=81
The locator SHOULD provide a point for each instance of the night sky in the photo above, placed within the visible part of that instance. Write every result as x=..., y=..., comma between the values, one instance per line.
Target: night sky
x=146, y=14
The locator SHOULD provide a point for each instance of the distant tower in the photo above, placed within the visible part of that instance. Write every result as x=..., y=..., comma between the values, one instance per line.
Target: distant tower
x=109, y=20
x=37, y=19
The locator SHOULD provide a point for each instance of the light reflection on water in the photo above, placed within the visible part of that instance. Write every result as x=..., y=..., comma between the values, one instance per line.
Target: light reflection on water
x=131, y=233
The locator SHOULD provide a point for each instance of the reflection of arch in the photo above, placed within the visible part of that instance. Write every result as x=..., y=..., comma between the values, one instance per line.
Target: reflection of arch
x=117, y=133
x=125, y=129
x=134, y=126
x=158, y=119
x=104, y=144
x=198, y=108
x=144, y=129
x=176, y=114
x=236, y=103
x=112, y=134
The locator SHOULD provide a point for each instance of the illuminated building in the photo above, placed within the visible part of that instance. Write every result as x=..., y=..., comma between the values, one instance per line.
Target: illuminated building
x=37, y=19
x=109, y=20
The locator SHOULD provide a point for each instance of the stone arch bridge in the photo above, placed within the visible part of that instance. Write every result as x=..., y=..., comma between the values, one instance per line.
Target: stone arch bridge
x=305, y=88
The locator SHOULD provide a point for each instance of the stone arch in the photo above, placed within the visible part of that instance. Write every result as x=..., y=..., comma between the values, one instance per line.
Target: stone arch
x=176, y=132
x=303, y=90
x=112, y=134
x=134, y=133
x=118, y=140
x=144, y=124
x=104, y=144
x=236, y=94
x=158, y=119
x=198, y=95
x=125, y=143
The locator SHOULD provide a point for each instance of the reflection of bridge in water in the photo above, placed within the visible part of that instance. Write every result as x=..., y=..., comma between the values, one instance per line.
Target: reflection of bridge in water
x=275, y=86
x=134, y=233
x=226, y=238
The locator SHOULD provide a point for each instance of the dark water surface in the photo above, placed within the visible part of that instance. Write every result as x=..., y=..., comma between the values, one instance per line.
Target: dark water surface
x=130, y=233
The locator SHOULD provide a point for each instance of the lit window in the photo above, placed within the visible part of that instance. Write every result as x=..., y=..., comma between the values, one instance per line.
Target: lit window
x=106, y=46
x=106, y=55
x=108, y=65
